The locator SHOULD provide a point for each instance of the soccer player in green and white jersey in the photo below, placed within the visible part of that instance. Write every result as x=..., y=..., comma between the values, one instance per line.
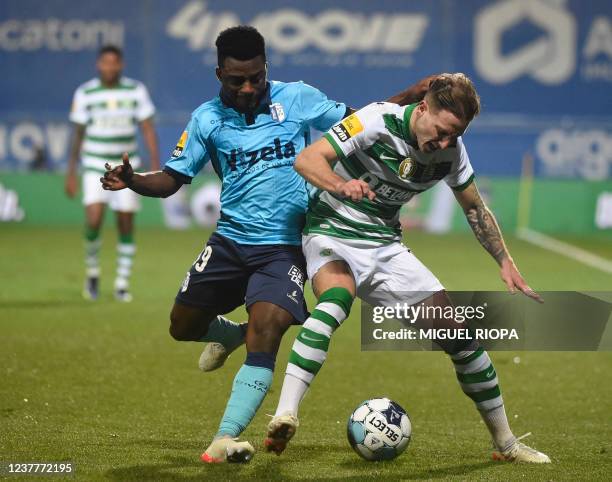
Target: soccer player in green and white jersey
x=385, y=154
x=106, y=112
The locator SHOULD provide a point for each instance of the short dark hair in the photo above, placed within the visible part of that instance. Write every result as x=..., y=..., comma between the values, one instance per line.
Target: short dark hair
x=110, y=49
x=242, y=42
x=455, y=93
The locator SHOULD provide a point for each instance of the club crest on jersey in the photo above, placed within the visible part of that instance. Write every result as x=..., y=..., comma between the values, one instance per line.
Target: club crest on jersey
x=277, y=112
x=406, y=168
x=180, y=145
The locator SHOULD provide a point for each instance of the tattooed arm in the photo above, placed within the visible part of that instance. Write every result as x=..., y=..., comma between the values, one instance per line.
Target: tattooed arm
x=485, y=227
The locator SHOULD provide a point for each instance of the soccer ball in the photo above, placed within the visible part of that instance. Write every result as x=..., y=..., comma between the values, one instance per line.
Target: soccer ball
x=379, y=429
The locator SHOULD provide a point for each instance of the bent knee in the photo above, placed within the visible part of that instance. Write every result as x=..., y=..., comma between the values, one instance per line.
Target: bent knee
x=180, y=328
x=180, y=334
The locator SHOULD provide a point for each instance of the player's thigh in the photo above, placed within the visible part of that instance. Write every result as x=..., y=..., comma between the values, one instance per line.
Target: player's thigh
x=268, y=322
x=189, y=322
x=217, y=280
x=94, y=199
x=334, y=274
x=397, y=276
x=278, y=278
x=126, y=201
x=93, y=193
x=328, y=263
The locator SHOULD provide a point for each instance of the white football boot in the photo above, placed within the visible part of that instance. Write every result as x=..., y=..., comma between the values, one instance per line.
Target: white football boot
x=519, y=452
x=281, y=430
x=227, y=449
x=213, y=356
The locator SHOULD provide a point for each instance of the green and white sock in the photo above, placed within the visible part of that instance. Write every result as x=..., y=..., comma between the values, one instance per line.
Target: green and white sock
x=310, y=347
x=125, y=251
x=93, y=242
x=478, y=381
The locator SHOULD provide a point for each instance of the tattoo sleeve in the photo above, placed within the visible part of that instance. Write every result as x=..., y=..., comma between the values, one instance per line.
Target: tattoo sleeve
x=487, y=231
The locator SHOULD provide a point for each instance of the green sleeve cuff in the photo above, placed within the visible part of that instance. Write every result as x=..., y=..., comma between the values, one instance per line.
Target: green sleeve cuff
x=465, y=185
x=336, y=147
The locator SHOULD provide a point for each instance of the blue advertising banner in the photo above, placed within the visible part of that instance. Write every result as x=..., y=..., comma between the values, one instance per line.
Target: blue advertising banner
x=542, y=67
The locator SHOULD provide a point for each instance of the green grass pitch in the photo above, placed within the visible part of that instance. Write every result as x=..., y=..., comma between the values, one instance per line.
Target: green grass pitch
x=104, y=386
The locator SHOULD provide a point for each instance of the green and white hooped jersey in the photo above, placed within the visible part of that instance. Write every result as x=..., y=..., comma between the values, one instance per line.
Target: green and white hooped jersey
x=111, y=117
x=373, y=144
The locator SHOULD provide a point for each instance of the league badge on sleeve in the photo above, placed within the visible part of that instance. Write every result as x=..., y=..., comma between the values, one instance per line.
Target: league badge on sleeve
x=349, y=127
x=277, y=112
x=178, y=150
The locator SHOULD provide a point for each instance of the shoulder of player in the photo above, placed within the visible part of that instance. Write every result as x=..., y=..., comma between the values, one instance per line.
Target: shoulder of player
x=457, y=148
x=289, y=89
x=382, y=108
x=94, y=85
x=295, y=85
x=389, y=108
x=371, y=115
x=207, y=114
x=89, y=85
x=129, y=83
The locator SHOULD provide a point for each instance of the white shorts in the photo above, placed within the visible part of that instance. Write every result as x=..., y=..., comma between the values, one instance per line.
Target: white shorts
x=384, y=275
x=125, y=200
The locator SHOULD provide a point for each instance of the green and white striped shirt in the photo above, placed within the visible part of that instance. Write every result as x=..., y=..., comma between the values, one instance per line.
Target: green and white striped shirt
x=374, y=144
x=111, y=117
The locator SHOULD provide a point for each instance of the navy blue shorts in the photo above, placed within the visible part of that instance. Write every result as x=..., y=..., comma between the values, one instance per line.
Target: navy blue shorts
x=227, y=275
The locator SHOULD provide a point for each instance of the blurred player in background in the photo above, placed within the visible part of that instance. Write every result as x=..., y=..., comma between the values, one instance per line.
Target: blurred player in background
x=106, y=112
x=251, y=133
x=383, y=155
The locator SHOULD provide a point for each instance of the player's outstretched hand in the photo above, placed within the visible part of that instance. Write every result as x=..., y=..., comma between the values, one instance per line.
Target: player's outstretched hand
x=119, y=177
x=356, y=189
x=515, y=282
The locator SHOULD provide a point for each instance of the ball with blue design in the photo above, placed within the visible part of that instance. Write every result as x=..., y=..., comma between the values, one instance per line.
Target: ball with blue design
x=379, y=429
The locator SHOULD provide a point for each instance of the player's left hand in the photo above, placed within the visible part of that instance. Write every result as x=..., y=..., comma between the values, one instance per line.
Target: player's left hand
x=356, y=190
x=514, y=280
x=119, y=177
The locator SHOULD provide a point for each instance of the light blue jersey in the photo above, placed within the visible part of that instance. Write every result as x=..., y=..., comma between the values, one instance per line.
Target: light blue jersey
x=263, y=200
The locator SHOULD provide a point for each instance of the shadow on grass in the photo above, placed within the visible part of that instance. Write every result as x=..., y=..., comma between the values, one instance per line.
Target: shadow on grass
x=277, y=469
x=404, y=473
x=266, y=469
x=172, y=444
x=345, y=466
x=162, y=470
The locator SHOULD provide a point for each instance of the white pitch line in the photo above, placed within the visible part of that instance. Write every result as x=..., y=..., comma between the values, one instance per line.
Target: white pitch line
x=565, y=249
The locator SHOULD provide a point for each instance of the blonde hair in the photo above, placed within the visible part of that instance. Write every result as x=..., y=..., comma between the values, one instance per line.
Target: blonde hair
x=454, y=93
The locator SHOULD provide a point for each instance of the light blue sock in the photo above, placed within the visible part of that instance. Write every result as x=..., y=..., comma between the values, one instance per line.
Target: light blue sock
x=226, y=332
x=250, y=387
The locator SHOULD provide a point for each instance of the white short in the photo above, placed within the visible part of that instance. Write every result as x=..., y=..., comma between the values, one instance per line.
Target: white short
x=125, y=200
x=384, y=275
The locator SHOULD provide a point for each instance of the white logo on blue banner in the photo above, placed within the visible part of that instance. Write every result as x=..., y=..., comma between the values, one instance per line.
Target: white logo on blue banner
x=550, y=58
x=290, y=30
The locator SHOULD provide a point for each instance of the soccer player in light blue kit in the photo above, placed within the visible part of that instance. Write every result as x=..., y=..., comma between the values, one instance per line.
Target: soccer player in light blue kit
x=250, y=134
